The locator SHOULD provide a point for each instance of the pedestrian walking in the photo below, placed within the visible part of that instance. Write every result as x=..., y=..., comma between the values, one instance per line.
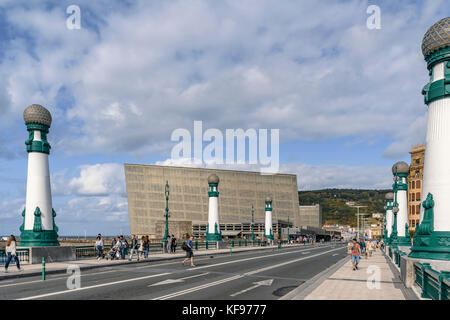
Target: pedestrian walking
x=189, y=252
x=134, y=247
x=146, y=246
x=168, y=245
x=99, y=246
x=141, y=247
x=11, y=252
x=356, y=253
x=123, y=247
x=174, y=244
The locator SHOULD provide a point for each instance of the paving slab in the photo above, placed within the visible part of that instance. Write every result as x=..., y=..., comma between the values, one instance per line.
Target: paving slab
x=375, y=280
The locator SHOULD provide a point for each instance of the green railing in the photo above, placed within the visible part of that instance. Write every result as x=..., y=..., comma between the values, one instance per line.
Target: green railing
x=22, y=254
x=434, y=284
x=90, y=251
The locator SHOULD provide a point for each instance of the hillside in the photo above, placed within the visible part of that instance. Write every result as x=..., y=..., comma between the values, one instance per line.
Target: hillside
x=333, y=202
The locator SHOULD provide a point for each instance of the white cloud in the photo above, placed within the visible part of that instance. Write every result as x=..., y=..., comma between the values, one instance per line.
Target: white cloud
x=99, y=179
x=148, y=69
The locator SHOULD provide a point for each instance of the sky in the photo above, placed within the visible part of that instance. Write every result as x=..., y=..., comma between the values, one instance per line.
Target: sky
x=346, y=98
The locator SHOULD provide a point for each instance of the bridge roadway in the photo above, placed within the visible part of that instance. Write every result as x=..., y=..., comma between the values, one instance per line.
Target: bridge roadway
x=252, y=275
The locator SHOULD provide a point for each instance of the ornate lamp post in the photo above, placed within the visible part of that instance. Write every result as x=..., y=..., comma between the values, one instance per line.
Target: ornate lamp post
x=253, y=223
x=432, y=238
x=388, y=216
x=38, y=228
x=213, y=232
x=401, y=171
x=288, y=230
x=166, y=214
x=268, y=233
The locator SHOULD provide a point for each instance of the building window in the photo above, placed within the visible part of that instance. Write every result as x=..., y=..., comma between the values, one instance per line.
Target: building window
x=418, y=184
x=413, y=185
x=418, y=209
x=413, y=211
x=413, y=223
x=418, y=195
x=412, y=197
x=417, y=174
x=417, y=161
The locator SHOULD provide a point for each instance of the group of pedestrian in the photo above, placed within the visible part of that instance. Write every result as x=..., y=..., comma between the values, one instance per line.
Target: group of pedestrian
x=358, y=248
x=171, y=244
x=118, y=247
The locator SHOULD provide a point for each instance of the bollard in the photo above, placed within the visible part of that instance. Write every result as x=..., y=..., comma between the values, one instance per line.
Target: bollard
x=43, y=268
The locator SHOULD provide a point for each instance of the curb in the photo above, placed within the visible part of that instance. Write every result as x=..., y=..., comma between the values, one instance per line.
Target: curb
x=408, y=293
x=89, y=267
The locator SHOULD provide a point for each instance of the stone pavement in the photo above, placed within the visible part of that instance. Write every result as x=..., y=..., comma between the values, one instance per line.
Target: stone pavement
x=85, y=264
x=342, y=283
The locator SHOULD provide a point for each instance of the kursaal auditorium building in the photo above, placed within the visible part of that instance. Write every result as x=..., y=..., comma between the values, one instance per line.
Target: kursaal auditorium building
x=189, y=201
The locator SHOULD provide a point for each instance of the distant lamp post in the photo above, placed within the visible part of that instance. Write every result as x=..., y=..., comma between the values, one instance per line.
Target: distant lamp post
x=288, y=230
x=253, y=223
x=166, y=214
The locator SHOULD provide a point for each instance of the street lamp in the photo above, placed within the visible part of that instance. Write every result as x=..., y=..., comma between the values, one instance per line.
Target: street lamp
x=253, y=222
x=357, y=215
x=288, y=231
x=166, y=214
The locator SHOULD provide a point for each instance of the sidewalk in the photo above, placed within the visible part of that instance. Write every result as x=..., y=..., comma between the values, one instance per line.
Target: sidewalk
x=30, y=270
x=342, y=283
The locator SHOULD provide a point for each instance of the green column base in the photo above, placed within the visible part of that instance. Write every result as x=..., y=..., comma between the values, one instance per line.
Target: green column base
x=403, y=241
x=216, y=236
x=213, y=236
x=44, y=238
x=269, y=236
x=435, y=246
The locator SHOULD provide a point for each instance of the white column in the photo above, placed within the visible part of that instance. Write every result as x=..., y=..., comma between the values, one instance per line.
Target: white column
x=402, y=215
x=436, y=172
x=38, y=189
x=213, y=214
x=389, y=222
x=268, y=223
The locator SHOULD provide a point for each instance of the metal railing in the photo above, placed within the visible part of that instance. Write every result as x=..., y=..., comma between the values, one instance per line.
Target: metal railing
x=434, y=284
x=90, y=251
x=22, y=254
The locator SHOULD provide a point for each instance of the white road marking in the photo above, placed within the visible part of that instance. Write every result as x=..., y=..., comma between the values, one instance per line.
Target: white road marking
x=52, y=279
x=288, y=262
x=92, y=287
x=204, y=286
x=306, y=252
x=247, y=259
x=168, y=281
x=256, y=285
x=335, y=254
x=200, y=287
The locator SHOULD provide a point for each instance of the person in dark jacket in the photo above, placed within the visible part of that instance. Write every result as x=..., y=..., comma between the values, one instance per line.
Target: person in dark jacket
x=174, y=244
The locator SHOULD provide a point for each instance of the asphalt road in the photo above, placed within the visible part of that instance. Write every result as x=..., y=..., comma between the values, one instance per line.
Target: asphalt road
x=255, y=275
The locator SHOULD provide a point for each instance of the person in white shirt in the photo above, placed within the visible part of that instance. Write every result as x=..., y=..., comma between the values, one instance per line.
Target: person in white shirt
x=99, y=246
x=11, y=252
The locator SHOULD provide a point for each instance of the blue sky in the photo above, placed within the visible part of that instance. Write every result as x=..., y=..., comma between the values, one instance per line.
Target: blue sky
x=347, y=100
